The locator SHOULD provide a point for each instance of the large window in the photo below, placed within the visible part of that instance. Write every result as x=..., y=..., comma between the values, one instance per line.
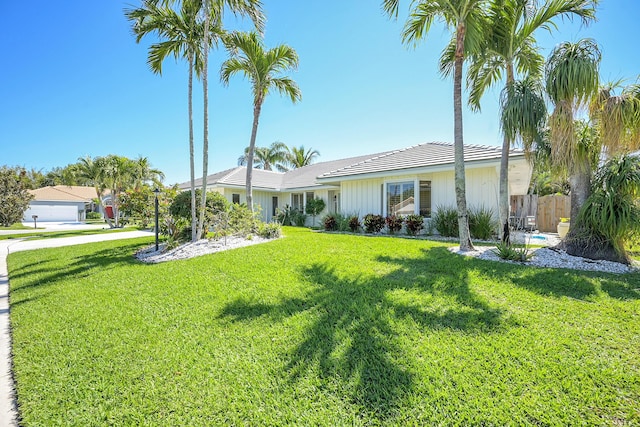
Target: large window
x=297, y=201
x=401, y=198
x=425, y=199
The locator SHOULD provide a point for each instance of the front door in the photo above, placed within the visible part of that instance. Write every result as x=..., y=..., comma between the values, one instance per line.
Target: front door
x=274, y=206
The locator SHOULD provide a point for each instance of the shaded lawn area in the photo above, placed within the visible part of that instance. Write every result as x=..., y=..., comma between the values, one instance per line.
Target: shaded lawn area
x=320, y=329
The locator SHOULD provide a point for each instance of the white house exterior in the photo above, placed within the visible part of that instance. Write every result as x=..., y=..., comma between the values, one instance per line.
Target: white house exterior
x=60, y=203
x=413, y=180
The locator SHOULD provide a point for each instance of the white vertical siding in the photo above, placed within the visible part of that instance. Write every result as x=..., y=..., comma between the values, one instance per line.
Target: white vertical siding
x=361, y=197
x=365, y=196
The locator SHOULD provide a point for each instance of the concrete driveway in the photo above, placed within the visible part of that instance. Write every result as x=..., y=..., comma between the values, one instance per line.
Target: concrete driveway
x=8, y=407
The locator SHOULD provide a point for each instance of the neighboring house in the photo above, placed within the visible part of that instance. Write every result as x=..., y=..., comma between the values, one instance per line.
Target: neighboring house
x=413, y=180
x=60, y=203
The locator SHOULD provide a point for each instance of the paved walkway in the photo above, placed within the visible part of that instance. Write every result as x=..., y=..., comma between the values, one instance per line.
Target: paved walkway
x=8, y=408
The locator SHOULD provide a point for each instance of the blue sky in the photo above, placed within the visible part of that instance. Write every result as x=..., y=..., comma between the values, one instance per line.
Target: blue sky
x=74, y=82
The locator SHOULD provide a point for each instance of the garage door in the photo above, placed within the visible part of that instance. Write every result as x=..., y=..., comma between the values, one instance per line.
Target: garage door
x=52, y=213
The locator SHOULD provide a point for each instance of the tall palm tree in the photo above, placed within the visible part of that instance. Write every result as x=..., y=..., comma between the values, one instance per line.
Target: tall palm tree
x=89, y=171
x=465, y=18
x=510, y=47
x=572, y=80
x=299, y=157
x=143, y=172
x=263, y=68
x=213, y=12
x=182, y=37
x=117, y=174
x=267, y=158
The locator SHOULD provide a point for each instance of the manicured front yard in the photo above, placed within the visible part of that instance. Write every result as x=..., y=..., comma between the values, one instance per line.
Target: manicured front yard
x=318, y=329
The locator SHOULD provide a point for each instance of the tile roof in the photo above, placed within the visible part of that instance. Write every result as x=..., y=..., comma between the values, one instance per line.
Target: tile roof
x=237, y=177
x=64, y=193
x=417, y=156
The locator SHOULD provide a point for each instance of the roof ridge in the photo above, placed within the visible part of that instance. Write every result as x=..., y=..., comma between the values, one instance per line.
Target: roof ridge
x=376, y=157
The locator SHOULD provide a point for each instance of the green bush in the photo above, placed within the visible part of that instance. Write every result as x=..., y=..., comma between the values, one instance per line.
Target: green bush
x=181, y=207
x=94, y=215
x=445, y=221
x=512, y=253
x=315, y=207
x=242, y=221
x=299, y=219
x=394, y=223
x=271, y=230
x=482, y=223
x=373, y=223
x=414, y=224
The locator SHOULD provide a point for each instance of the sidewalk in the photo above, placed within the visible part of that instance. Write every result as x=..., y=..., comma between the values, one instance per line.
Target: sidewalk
x=8, y=408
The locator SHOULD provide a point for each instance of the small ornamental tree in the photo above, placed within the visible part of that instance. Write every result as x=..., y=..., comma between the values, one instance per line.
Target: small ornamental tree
x=14, y=197
x=315, y=207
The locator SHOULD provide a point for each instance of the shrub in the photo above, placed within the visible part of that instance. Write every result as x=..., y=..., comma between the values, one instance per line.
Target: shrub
x=445, y=221
x=272, y=230
x=354, y=223
x=14, y=197
x=298, y=218
x=482, y=223
x=242, y=221
x=94, y=215
x=394, y=223
x=315, y=207
x=373, y=223
x=181, y=206
x=331, y=222
x=414, y=224
x=512, y=253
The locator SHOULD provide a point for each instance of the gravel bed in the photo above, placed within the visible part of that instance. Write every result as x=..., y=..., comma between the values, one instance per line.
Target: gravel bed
x=199, y=248
x=554, y=258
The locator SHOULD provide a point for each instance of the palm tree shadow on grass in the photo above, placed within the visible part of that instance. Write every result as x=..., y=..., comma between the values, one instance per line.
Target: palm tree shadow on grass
x=352, y=343
x=41, y=275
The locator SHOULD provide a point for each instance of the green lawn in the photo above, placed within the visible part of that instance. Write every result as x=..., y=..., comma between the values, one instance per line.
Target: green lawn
x=37, y=235
x=320, y=329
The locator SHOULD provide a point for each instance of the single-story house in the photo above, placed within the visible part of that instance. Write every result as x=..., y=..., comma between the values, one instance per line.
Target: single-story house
x=60, y=203
x=413, y=180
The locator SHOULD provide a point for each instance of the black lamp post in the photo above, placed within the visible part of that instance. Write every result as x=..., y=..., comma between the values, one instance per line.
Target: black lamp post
x=156, y=192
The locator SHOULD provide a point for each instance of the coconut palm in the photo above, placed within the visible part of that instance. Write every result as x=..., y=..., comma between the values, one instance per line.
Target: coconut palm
x=510, y=47
x=465, y=18
x=143, y=172
x=213, y=12
x=263, y=68
x=182, y=37
x=267, y=158
x=90, y=172
x=299, y=157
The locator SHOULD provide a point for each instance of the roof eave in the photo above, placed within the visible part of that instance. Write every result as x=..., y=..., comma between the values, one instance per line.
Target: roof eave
x=472, y=164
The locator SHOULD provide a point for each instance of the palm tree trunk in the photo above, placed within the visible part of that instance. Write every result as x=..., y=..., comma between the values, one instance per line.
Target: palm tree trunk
x=205, y=144
x=252, y=145
x=102, y=207
x=503, y=207
x=194, y=235
x=461, y=199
